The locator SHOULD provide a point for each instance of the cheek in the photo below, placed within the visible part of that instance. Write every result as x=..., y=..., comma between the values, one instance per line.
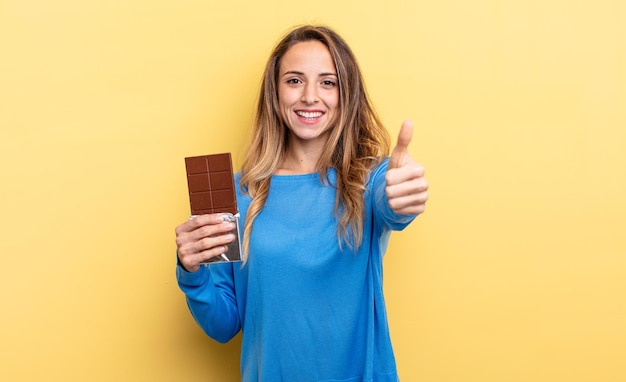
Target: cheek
x=334, y=98
x=285, y=102
x=282, y=101
x=333, y=102
x=283, y=107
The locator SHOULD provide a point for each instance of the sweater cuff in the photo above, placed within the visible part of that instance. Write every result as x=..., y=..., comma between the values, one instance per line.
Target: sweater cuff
x=196, y=278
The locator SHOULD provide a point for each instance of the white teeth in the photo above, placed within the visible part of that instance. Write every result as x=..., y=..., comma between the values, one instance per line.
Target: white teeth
x=308, y=115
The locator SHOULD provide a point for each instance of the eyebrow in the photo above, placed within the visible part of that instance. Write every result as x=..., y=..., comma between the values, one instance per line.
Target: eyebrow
x=323, y=74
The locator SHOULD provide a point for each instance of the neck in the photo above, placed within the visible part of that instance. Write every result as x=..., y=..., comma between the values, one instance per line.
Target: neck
x=299, y=159
x=297, y=164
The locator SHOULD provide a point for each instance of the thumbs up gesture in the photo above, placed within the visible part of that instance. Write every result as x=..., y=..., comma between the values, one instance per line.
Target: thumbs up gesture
x=406, y=186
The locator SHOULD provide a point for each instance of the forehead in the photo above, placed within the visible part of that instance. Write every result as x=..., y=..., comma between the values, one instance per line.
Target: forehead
x=308, y=57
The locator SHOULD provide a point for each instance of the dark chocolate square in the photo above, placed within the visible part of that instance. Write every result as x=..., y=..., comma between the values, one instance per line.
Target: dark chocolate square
x=219, y=162
x=222, y=198
x=221, y=180
x=201, y=200
x=197, y=165
x=198, y=182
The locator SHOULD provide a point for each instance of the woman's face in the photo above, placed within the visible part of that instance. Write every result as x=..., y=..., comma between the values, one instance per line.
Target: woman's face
x=308, y=92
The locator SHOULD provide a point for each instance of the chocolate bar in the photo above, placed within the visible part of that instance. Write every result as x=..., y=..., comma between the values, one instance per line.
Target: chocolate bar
x=212, y=190
x=211, y=185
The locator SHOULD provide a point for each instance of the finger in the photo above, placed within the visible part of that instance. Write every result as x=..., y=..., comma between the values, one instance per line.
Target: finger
x=410, y=170
x=205, y=256
x=409, y=187
x=409, y=204
x=198, y=221
x=401, y=150
x=192, y=262
x=210, y=219
x=190, y=249
x=209, y=243
x=212, y=230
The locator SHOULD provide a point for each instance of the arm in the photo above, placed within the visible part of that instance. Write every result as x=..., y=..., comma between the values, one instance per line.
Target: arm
x=400, y=189
x=383, y=212
x=210, y=291
x=407, y=189
x=210, y=294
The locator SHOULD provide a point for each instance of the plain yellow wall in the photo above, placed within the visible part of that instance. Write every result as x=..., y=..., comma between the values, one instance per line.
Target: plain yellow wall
x=517, y=272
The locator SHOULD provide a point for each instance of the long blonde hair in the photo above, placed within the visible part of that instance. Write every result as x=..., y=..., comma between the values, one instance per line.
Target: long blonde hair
x=357, y=141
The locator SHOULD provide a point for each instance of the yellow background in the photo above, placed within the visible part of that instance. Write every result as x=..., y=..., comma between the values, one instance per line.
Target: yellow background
x=517, y=272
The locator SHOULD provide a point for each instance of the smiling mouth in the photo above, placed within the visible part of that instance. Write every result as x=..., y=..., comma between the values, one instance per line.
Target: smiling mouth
x=309, y=115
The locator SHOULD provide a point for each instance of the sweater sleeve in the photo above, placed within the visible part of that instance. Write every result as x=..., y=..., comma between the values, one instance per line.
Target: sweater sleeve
x=383, y=213
x=210, y=294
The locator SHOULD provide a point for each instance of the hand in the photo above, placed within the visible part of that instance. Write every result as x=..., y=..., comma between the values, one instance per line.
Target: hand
x=202, y=238
x=406, y=186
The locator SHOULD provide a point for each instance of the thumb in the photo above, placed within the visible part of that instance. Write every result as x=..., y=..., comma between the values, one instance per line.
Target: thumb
x=401, y=151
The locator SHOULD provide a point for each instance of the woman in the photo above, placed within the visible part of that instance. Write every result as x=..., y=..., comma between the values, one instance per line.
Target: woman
x=318, y=198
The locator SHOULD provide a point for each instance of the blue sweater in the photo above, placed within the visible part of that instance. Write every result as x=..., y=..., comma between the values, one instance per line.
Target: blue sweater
x=308, y=310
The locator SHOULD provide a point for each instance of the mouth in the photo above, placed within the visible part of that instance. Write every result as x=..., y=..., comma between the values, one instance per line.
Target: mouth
x=309, y=116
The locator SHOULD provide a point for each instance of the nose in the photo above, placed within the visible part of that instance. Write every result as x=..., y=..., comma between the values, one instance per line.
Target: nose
x=309, y=94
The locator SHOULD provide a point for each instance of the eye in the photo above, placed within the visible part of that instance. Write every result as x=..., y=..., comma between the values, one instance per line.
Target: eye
x=329, y=83
x=293, y=81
